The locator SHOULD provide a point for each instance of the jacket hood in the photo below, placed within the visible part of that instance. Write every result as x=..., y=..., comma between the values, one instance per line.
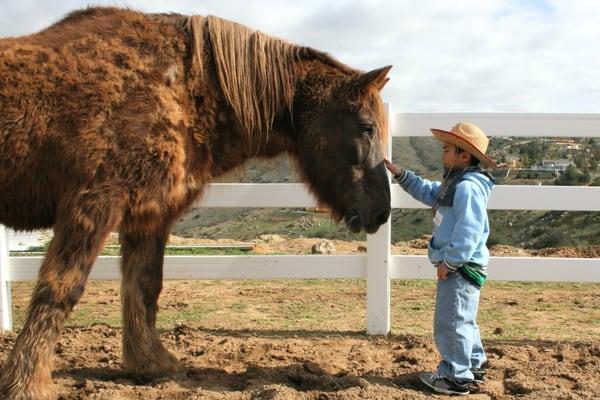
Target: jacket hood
x=485, y=183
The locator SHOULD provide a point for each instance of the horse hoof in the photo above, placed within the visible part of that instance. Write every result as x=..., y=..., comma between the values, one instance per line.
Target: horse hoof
x=141, y=379
x=146, y=371
x=149, y=376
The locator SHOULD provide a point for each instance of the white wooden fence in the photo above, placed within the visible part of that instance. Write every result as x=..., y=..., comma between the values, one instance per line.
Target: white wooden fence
x=378, y=266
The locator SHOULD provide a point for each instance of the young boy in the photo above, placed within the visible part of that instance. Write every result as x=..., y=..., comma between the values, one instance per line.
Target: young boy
x=458, y=251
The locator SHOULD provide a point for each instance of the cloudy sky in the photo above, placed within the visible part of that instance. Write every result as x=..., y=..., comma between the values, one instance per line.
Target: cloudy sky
x=455, y=56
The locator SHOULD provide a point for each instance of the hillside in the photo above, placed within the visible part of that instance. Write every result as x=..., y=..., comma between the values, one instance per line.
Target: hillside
x=417, y=153
x=525, y=229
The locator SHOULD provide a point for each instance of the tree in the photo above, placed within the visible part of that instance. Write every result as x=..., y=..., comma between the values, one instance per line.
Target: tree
x=535, y=150
x=572, y=177
x=579, y=161
x=584, y=178
x=569, y=177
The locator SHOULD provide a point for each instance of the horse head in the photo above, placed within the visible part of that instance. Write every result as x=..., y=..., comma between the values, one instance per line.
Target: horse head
x=339, y=148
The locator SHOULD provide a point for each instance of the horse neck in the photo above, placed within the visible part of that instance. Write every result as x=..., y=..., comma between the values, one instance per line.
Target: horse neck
x=232, y=146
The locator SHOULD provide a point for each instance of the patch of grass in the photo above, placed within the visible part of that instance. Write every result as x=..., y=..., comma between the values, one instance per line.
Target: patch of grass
x=26, y=253
x=412, y=306
x=167, y=320
x=169, y=251
x=239, y=307
x=414, y=283
x=508, y=310
x=200, y=251
x=88, y=315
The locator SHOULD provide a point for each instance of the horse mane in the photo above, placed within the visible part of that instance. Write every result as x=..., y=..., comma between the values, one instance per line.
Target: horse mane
x=255, y=71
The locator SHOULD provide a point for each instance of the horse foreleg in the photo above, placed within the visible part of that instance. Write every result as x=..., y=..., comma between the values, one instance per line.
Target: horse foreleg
x=145, y=357
x=78, y=238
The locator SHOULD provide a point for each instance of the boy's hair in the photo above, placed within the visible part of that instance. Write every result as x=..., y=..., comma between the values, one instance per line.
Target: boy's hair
x=474, y=161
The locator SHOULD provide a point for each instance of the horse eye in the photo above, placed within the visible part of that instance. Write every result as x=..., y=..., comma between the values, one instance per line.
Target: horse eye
x=366, y=129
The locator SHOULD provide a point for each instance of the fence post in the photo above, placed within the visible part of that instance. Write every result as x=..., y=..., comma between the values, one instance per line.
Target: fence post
x=378, y=267
x=5, y=302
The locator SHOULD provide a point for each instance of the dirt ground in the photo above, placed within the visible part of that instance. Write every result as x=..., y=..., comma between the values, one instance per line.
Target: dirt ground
x=305, y=340
x=313, y=365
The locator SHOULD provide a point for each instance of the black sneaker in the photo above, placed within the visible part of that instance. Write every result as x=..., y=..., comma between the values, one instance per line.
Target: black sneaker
x=478, y=375
x=444, y=385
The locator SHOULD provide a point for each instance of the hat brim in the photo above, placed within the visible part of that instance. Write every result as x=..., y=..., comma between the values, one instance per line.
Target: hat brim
x=458, y=141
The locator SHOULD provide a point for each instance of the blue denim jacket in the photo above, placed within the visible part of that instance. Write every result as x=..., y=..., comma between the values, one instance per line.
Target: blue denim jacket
x=460, y=232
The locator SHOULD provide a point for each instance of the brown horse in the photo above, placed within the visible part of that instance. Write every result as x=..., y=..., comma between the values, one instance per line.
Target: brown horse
x=115, y=120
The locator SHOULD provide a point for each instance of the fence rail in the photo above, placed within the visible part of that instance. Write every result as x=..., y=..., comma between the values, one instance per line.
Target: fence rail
x=378, y=266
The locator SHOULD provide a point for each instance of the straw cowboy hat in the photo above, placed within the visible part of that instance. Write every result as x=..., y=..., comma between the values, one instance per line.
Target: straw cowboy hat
x=467, y=137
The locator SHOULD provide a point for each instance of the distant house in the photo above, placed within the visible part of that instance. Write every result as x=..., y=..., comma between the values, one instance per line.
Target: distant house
x=559, y=165
x=567, y=144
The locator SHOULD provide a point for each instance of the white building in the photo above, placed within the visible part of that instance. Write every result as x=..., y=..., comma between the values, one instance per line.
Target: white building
x=559, y=165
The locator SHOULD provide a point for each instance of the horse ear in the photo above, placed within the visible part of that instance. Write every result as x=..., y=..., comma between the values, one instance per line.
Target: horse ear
x=377, y=78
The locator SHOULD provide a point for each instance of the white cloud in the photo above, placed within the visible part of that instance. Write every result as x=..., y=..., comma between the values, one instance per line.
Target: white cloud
x=470, y=55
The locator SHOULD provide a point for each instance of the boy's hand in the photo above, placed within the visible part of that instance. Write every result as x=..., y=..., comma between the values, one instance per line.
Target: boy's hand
x=393, y=168
x=442, y=271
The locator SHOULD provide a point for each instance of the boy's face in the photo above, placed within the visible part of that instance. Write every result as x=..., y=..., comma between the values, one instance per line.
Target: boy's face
x=452, y=158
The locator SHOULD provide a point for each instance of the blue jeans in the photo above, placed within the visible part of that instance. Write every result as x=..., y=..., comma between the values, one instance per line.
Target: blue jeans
x=455, y=327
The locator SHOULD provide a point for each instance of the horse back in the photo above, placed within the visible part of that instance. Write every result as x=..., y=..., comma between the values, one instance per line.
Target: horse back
x=97, y=98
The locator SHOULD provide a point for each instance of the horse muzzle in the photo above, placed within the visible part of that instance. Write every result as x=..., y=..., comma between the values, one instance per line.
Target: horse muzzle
x=356, y=221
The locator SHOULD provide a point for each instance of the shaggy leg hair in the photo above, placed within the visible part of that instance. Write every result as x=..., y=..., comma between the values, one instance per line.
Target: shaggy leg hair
x=145, y=357
x=25, y=375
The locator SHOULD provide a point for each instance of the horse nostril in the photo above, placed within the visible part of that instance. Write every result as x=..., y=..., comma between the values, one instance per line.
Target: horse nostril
x=383, y=217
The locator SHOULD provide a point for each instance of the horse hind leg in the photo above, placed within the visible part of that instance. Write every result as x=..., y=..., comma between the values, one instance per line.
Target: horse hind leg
x=145, y=357
x=78, y=238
